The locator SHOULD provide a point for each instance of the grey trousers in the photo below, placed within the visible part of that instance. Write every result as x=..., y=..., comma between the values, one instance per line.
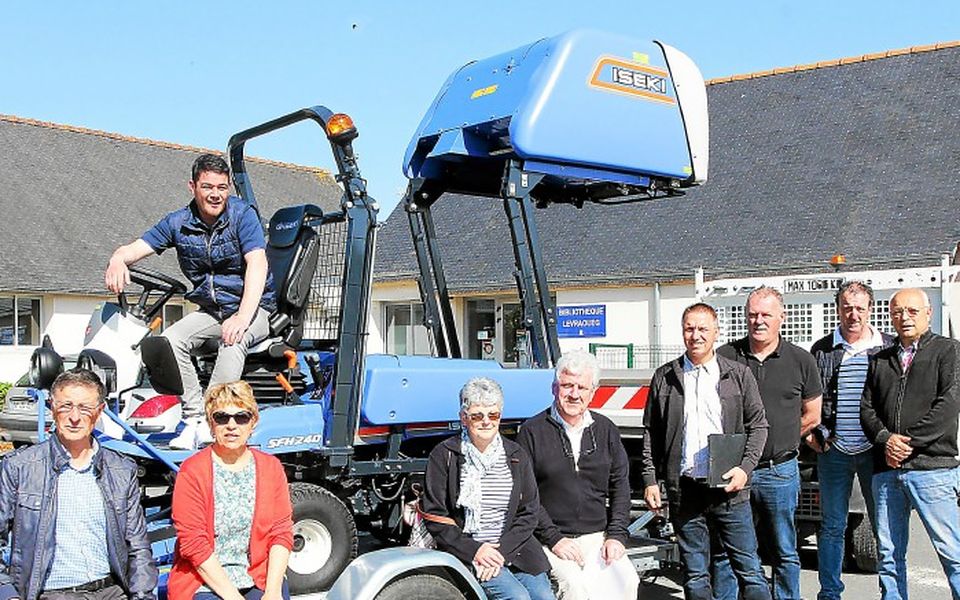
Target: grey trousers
x=193, y=330
x=113, y=592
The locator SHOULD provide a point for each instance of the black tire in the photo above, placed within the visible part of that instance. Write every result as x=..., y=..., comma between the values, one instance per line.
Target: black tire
x=421, y=586
x=324, y=539
x=861, y=543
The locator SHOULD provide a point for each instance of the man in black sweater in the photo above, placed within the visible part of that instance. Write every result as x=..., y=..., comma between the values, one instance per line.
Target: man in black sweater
x=909, y=409
x=582, y=473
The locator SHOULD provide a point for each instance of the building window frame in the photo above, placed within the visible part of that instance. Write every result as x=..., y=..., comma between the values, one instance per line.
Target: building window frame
x=16, y=300
x=416, y=336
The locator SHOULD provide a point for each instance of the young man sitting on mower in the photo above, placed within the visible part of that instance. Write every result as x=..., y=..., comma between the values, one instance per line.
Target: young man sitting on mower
x=221, y=249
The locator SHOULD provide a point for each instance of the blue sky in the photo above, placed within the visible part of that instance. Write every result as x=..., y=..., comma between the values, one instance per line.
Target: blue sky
x=196, y=72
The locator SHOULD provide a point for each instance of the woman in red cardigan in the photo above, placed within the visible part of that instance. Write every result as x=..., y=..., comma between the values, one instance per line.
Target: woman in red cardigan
x=231, y=508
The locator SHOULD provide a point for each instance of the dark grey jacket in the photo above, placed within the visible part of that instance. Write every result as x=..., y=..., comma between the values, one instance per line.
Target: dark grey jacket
x=741, y=412
x=922, y=403
x=28, y=507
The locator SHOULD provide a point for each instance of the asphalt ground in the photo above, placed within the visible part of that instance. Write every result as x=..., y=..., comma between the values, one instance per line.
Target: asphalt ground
x=925, y=578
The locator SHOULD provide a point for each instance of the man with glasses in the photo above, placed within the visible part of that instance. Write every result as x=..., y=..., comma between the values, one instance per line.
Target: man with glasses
x=221, y=249
x=691, y=398
x=843, y=450
x=909, y=409
x=74, y=510
x=582, y=473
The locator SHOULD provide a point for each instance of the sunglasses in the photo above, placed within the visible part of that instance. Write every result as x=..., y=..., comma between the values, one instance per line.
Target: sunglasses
x=240, y=418
x=478, y=416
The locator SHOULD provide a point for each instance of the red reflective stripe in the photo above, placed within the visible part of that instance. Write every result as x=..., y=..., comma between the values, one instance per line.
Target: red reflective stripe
x=601, y=396
x=377, y=430
x=639, y=399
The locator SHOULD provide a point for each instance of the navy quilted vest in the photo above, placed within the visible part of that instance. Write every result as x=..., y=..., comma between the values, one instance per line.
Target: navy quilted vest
x=210, y=257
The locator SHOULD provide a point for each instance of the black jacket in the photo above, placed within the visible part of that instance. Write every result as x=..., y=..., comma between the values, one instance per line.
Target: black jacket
x=574, y=501
x=829, y=358
x=741, y=412
x=923, y=404
x=517, y=544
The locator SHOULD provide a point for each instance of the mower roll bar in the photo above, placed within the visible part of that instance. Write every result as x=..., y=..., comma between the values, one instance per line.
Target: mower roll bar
x=342, y=151
x=360, y=212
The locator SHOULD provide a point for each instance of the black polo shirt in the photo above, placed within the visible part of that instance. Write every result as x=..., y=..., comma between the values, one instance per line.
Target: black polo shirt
x=786, y=377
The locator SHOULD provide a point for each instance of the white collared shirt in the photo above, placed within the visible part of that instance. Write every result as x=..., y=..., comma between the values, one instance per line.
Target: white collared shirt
x=874, y=340
x=574, y=432
x=702, y=415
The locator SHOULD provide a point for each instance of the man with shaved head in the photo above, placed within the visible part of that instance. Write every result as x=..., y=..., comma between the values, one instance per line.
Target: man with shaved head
x=909, y=410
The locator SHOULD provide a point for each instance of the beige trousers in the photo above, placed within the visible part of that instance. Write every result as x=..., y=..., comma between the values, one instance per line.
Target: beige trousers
x=595, y=580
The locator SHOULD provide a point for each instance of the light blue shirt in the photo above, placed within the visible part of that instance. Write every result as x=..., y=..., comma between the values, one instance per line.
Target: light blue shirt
x=80, y=552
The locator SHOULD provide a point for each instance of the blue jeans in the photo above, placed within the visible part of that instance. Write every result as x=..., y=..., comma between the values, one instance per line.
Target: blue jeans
x=774, y=493
x=835, y=472
x=515, y=585
x=704, y=514
x=934, y=495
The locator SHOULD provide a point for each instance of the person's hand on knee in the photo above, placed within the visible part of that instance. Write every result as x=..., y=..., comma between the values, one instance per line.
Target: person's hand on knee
x=568, y=549
x=612, y=550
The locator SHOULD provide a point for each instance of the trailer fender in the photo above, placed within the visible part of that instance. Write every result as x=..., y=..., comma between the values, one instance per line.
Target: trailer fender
x=370, y=573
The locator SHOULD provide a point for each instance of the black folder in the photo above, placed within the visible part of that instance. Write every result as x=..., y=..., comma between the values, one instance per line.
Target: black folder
x=726, y=452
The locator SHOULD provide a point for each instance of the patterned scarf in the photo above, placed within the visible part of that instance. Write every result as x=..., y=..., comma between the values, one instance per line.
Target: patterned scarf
x=475, y=467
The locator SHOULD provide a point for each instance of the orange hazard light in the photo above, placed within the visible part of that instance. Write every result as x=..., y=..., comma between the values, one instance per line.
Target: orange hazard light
x=340, y=128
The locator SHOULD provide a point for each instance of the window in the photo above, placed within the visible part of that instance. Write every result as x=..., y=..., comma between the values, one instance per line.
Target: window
x=516, y=346
x=481, y=329
x=406, y=334
x=19, y=321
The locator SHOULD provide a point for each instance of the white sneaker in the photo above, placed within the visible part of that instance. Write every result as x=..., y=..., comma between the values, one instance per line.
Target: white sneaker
x=188, y=437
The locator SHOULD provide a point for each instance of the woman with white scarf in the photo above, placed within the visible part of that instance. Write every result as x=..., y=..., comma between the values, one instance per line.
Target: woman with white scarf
x=486, y=485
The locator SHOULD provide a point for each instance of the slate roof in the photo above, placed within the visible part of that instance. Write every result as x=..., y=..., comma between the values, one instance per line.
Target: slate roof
x=858, y=156
x=70, y=196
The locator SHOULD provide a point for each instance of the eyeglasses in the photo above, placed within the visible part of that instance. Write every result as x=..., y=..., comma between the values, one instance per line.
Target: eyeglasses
x=913, y=313
x=479, y=416
x=85, y=410
x=240, y=418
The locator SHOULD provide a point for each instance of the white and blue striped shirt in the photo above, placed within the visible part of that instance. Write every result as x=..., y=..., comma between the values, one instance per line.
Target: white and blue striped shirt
x=495, y=488
x=851, y=377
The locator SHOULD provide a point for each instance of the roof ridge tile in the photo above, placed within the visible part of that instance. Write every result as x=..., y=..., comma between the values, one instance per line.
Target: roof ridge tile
x=157, y=143
x=835, y=62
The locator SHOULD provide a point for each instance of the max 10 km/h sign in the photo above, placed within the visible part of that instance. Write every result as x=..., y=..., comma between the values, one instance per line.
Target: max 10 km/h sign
x=820, y=284
x=584, y=320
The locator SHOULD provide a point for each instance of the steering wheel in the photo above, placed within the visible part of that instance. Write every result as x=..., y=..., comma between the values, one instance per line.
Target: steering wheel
x=151, y=281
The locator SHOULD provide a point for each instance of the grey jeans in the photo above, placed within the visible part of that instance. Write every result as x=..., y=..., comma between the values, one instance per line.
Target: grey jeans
x=190, y=332
x=113, y=592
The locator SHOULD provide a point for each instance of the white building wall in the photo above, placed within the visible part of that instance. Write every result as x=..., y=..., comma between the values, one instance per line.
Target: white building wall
x=635, y=316
x=69, y=317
